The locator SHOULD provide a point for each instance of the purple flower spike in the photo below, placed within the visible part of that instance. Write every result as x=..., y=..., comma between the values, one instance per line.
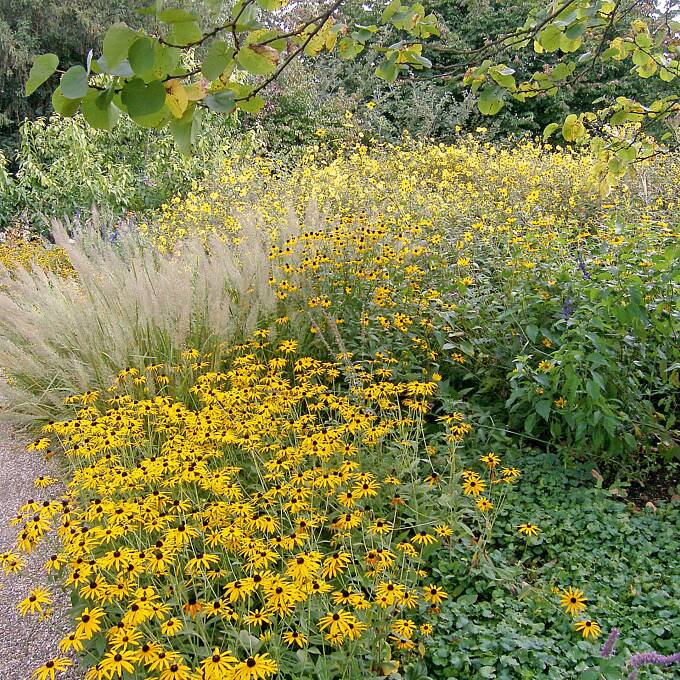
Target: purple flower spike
x=650, y=658
x=608, y=646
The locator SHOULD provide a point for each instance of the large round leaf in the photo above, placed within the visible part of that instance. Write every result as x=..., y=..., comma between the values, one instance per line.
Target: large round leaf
x=99, y=111
x=143, y=99
x=74, y=83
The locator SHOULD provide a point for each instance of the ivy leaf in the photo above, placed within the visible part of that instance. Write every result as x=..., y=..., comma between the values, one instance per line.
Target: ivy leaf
x=74, y=83
x=117, y=42
x=43, y=67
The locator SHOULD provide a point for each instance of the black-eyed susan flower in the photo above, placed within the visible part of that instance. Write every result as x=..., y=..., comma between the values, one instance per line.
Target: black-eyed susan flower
x=473, y=486
x=115, y=663
x=218, y=665
x=257, y=667
x=294, y=638
x=50, y=668
x=434, y=595
x=89, y=622
x=588, y=628
x=528, y=529
x=573, y=601
x=36, y=602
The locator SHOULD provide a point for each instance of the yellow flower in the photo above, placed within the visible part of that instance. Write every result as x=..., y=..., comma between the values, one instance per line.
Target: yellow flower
x=588, y=628
x=434, y=594
x=528, y=529
x=294, y=638
x=473, y=486
x=573, y=601
x=33, y=604
x=257, y=667
x=48, y=670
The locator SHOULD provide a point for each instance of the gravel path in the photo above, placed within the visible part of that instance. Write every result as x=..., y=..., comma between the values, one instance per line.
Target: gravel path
x=25, y=643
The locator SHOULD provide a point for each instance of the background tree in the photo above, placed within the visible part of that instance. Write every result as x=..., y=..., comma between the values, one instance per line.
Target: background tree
x=243, y=49
x=67, y=28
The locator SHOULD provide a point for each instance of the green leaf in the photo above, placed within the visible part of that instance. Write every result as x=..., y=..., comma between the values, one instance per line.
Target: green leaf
x=117, y=42
x=142, y=55
x=549, y=129
x=183, y=130
x=563, y=70
x=388, y=69
x=217, y=59
x=43, y=67
x=222, y=102
x=185, y=33
x=572, y=128
x=74, y=83
x=576, y=30
x=251, y=105
x=62, y=105
x=503, y=76
x=390, y=11
x=490, y=101
x=348, y=48
x=270, y=5
x=567, y=45
x=666, y=75
x=257, y=64
x=142, y=99
x=247, y=18
x=176, y=16
x=543, y=408
x=99, y=111
x=549, y=38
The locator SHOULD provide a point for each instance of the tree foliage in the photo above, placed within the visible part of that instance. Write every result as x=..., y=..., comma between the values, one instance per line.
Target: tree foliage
x=67, y=29
x=241, y=49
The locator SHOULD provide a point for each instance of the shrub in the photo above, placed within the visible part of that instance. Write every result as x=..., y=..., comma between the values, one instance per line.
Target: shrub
x=547, y=306
x=64, y=167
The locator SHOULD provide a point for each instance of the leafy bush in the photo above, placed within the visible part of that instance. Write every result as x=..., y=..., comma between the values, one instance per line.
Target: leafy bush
x=501, y=268
x=510, y=624
x=64, y=168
